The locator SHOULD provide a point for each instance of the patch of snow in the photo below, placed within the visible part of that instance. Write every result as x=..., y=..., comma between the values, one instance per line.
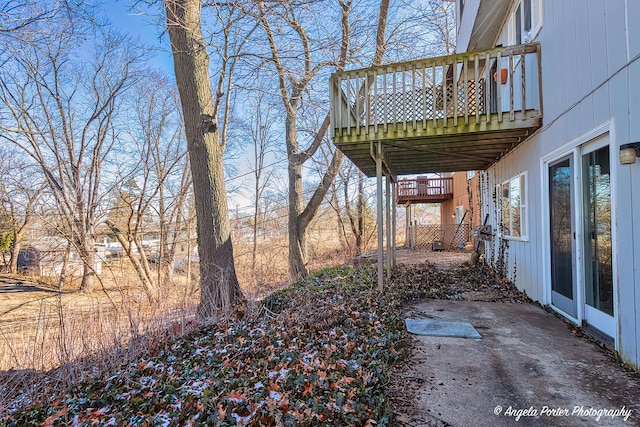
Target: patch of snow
x=195, y=387
x=243, y=421
x=162, y=420
x=275, y=395
x=281, y=374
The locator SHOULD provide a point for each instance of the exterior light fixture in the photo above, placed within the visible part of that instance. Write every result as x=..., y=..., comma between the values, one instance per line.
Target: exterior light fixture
x=629, y=152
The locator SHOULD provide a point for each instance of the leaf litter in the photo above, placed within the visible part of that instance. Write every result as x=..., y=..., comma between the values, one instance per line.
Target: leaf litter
x=318, y=354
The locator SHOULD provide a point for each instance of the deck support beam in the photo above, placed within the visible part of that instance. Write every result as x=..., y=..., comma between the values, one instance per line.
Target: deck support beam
x=388, y=224
x=394, y=218
x=407, y=235
x=378, y=159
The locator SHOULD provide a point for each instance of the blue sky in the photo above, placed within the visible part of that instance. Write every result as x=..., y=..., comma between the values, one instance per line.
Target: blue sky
x=144, y=25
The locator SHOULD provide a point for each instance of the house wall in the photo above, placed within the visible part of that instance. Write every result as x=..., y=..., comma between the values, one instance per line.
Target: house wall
x=466, y=193
x=591, y=78
x=465, y=22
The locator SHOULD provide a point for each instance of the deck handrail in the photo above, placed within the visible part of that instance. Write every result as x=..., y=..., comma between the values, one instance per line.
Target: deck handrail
x=431, y=91
x=424, y=187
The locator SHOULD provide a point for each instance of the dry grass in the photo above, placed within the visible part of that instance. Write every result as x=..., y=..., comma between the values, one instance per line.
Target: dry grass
x=50, y=340
x=272, y=268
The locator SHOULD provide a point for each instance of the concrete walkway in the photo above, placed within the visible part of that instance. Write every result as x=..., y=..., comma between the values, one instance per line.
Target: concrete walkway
x=527, y=370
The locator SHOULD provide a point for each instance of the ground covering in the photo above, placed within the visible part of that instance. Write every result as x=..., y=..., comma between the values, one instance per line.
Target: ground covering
x=317, y=353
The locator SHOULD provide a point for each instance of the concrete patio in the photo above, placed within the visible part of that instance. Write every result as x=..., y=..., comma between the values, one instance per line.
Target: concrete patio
x=528, y=369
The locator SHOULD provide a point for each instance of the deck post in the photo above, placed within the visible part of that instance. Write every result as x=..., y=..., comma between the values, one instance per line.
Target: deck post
x=407, y=226
x=388, y=223
x=378, y=159
x=394, y=186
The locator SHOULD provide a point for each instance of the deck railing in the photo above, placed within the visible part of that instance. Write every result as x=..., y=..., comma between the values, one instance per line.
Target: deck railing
x=424, y=189
x=497, y=84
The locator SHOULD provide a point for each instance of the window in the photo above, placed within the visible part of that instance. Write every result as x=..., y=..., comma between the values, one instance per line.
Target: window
x=459, y=214
x=513, y=207
x=525, y=22
x=471, y=174
x=459, y=11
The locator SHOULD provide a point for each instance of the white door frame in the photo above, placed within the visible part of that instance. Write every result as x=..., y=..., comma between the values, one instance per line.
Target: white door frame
x=581, y=145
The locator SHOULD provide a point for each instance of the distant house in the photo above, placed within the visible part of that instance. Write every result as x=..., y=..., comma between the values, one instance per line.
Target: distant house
x=460, y=214
x=458, y=196
x=559, y=186
x=44, y=256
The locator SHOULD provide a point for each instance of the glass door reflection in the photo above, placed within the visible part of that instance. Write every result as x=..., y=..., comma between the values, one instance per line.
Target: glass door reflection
x=562, y=238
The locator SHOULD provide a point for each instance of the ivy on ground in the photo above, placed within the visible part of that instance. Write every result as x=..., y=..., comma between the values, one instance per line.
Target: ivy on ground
x=318, y=355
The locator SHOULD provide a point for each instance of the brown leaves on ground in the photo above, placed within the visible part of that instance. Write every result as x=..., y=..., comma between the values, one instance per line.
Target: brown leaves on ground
x=464, y=282
x=319, y=355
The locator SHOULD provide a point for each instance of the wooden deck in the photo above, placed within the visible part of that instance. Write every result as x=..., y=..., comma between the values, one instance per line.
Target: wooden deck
x=444, y=114
x=424, y=190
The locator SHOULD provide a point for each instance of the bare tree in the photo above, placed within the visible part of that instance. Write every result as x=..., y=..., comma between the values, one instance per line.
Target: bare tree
x=157, y=182
x=295, y=78
x=19, y=196
x=263, y=138
x=206, y=141
x=16, y=15
x=293, y=81
x=126, y=222
x=61, y=113
x=439, y=23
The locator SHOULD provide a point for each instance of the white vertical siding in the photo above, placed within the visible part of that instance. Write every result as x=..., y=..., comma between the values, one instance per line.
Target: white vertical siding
x=466, y=24
x=522, y=256
x=583, y=44
x=631, y=185
x=597, y=40
x=616, y=34
x=633, y=15
x=572, y=46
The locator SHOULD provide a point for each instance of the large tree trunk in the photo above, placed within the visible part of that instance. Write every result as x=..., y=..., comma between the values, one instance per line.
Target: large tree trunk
x=218, y=282
x=297, y=234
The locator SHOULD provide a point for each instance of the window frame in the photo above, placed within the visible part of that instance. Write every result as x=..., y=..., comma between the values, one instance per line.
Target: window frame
x=535, y=16
x=523, y=232
x=460, y=10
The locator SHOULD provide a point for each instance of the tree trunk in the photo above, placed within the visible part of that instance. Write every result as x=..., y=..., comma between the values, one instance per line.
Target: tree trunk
x=139, y=263
x=256, y=214
x=218, y=281
x=16, y=245
x=63, y=270
x=297, y=233
x=86, y=248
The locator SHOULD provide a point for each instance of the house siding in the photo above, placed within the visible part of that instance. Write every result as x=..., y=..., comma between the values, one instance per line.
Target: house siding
x=465, y=25
x=588, y=80
x=461, y=188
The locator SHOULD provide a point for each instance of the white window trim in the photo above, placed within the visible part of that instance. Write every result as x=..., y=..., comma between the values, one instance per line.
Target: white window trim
x=459, y=214
x=536, y=14
x=573, y=148
x=536, y=26
x=524, y=218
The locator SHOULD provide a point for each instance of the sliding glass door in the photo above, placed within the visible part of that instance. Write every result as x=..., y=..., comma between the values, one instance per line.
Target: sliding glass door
x=580, y=235
x=562, y=238
x=598, y=256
